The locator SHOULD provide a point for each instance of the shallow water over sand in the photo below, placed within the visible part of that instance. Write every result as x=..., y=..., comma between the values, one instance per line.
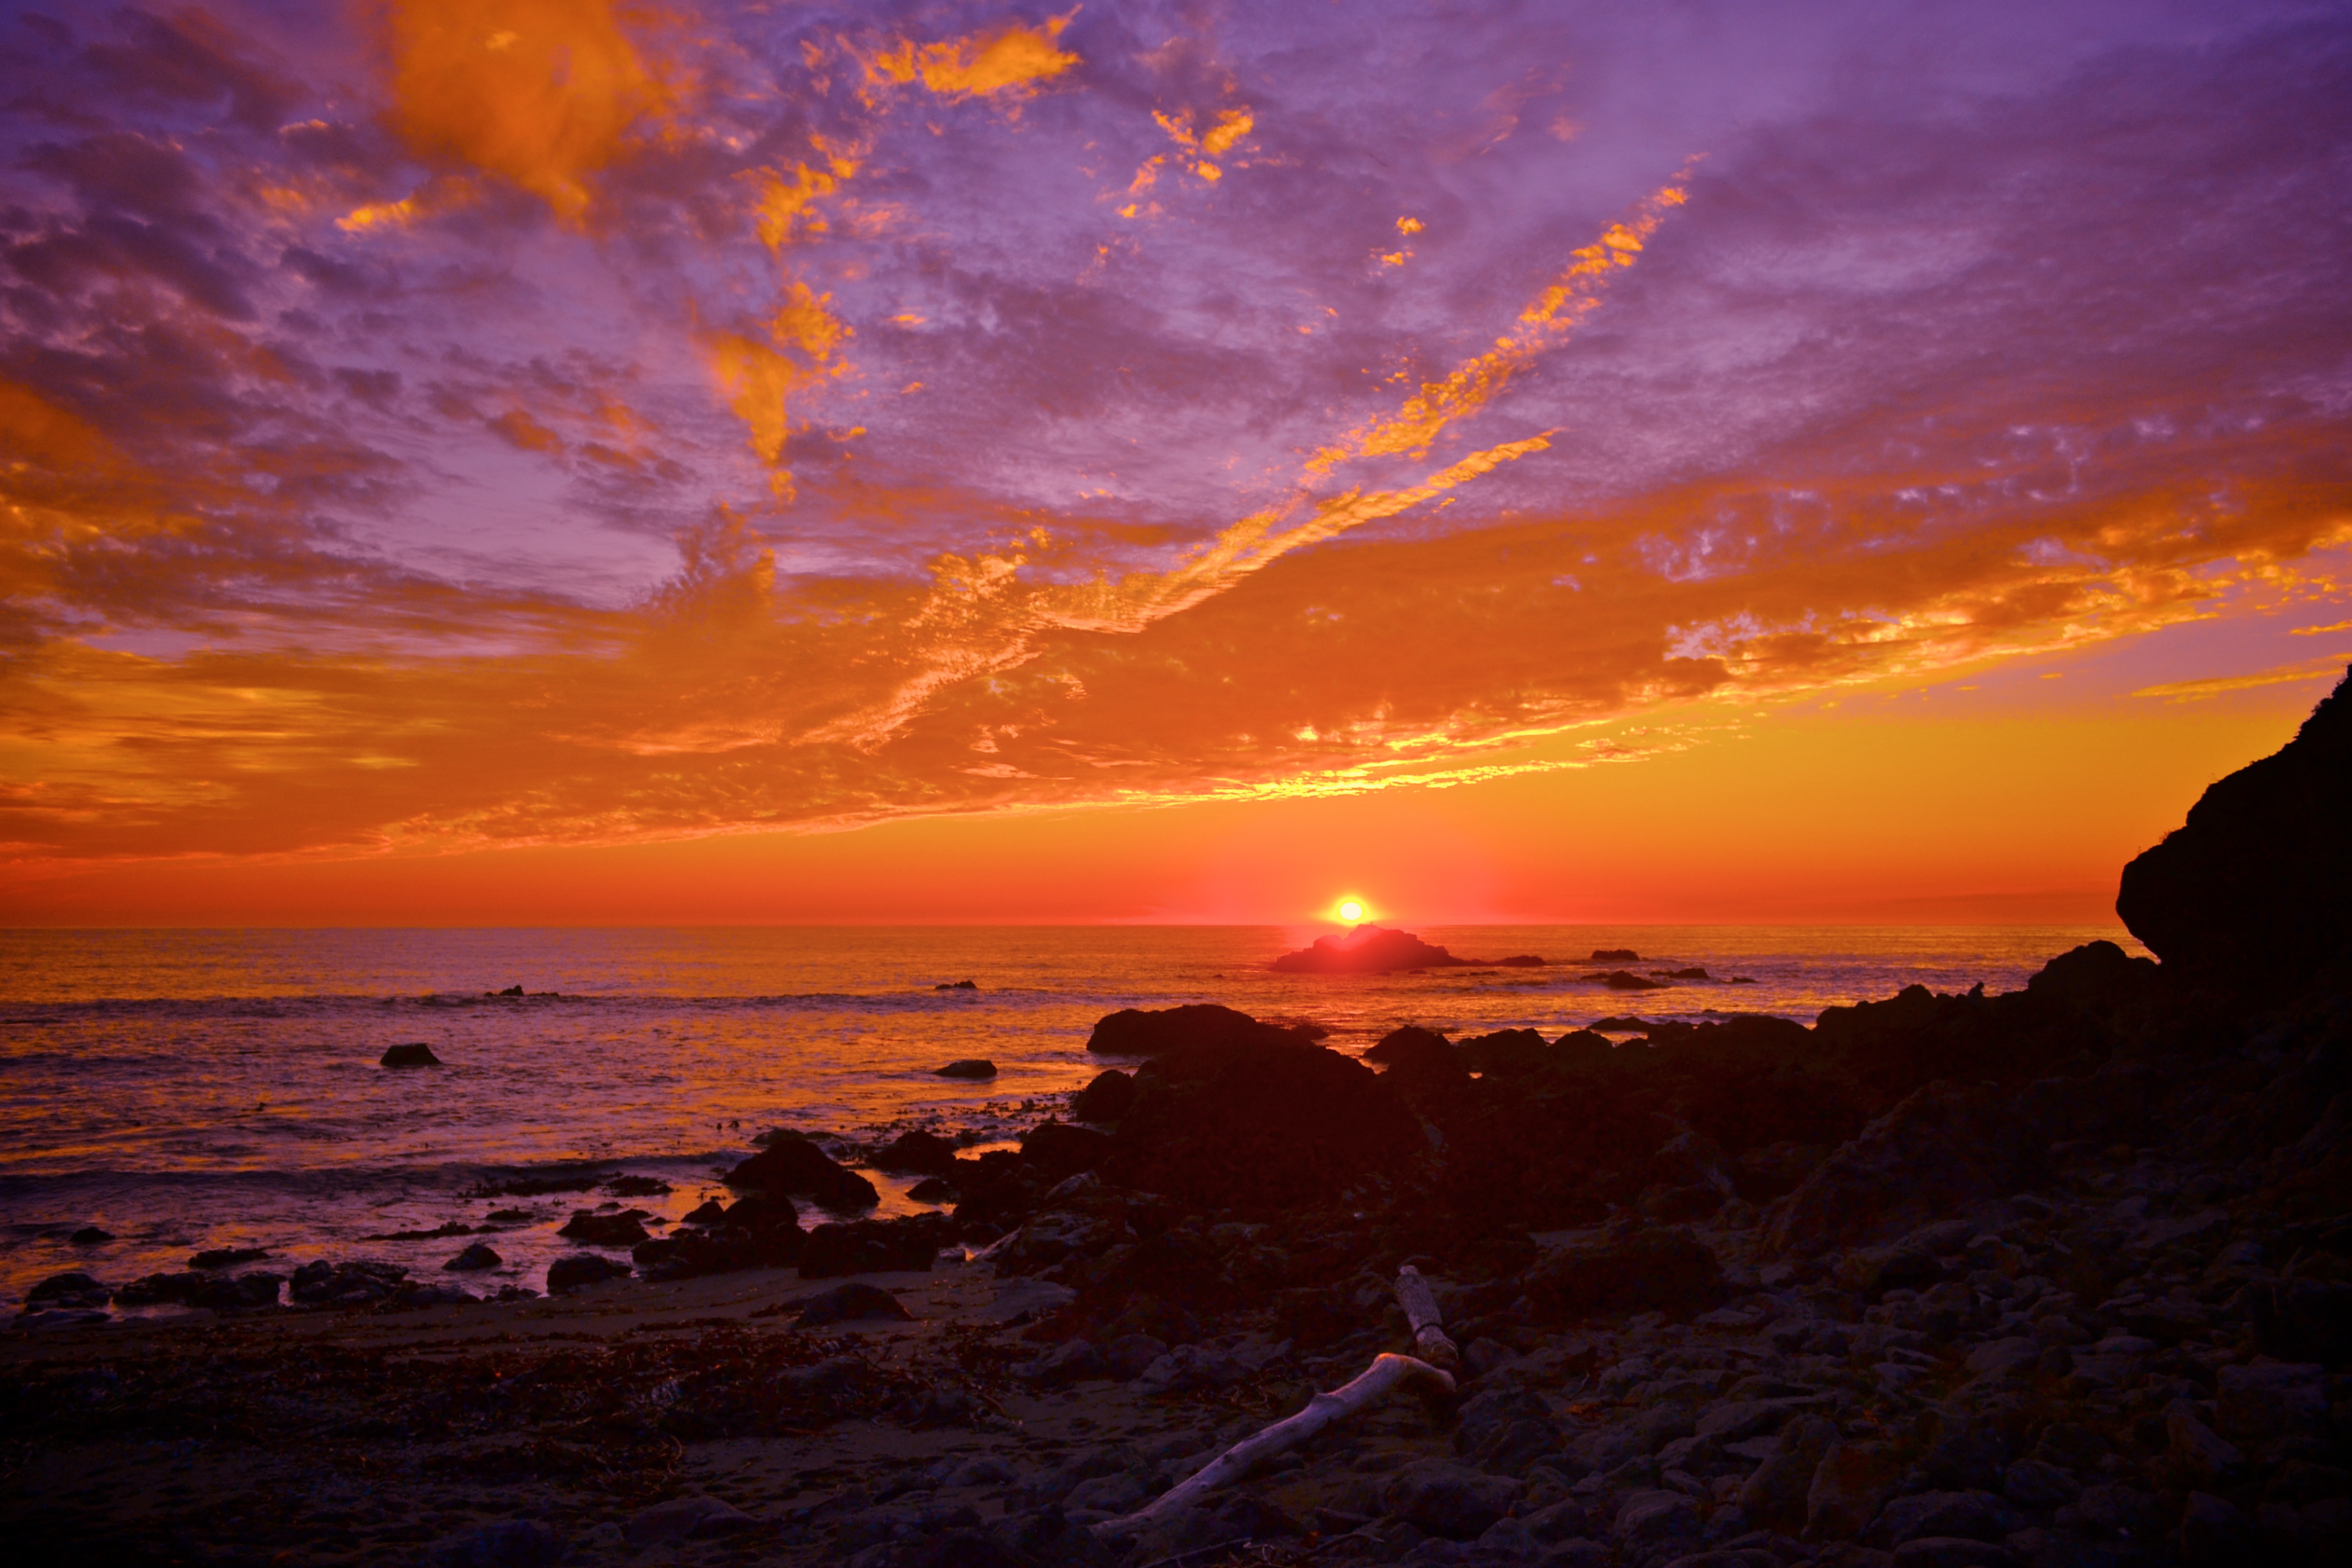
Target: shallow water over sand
x=188, y=1089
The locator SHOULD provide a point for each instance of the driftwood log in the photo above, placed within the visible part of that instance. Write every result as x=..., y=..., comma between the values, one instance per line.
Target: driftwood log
x=1429, y=1341
x=1387, y=1374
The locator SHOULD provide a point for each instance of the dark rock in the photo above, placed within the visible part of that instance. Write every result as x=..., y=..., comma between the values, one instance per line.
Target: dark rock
x=1626, y=980
x=850, y=1303
x=932, y=1190
x=1629, y=1267
x=354, y=1284
x=1943, y=1146
x=2302, y=1320
x=1198, y=1025
x=1448, y=1500
x=474, y=1259
x=1410, y=1044
x=1651, y=1525
x=91, y=1236
x=413, y=1055
x=1068, y=1362
x=684, y=1518
x=1950, y=1552
x=581, y=1268
x=917, y=1155
x=2252, y=894
x=2213, y=1534
x=2117, y=1512
x=957, y=986
x=638, y=1187
x=1520, y=961
x=710, y=1211
x=2257, y=1404
x=1367, y=950
x=1502, y=1429
x=2036, y=1484
x=227, y=1257
x=873, y=1247
x=502, y=1544
x=1106, y=1099
x=1614, y=955
x=509, y=991
x=74, y=1291
x=1692, y=974
x=1775, y=1494
x=1126, y=1357
x=1059, y=1150
x=1852, y=1480
x=970, y=1067
x=1505, y=1050
x=592, y=1229
x=1971, y=1515
x=801, y=1169
x=1260, y=1128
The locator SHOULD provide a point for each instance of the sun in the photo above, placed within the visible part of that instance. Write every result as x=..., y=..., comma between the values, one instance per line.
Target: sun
x=1350, y=910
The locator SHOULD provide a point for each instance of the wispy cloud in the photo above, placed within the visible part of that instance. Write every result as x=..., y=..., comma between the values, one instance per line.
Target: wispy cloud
x=531, y=423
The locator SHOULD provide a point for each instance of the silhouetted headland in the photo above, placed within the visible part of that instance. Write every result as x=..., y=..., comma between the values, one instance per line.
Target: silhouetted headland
x=2058, y=1277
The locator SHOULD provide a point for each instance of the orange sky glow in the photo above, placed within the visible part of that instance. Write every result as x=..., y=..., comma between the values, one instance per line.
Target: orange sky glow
x=552, y=461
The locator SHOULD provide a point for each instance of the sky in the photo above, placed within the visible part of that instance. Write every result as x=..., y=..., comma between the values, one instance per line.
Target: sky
x=514, y=460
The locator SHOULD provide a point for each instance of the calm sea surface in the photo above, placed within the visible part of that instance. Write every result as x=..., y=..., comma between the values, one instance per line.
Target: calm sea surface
x=191, y=1088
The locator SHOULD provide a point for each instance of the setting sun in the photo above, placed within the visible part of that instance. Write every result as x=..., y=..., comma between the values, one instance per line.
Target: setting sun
x=1350, y=910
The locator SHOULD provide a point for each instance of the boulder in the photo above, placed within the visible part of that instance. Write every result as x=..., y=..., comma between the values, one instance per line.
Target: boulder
x=2251, y=897
x=971, y=1066
x=91, y=1236
x=1058, y=1150
x=592, y=1229
x=916, y=1155
x=1614, y=955
x=797, y=1167
x=1628, y=1267
x=1247, y=1126
x=1367, y=950
x=2257, y=1403
x=1775, y=1494
x=474, y=1258
x=1651, y=1525
x=1448, y=1500
x=75, y=1291
x=581, y=1268
x=1505, y=1051
x=1626, y=980
x=873, y=1247
x=227, y=1257
x=684, y=1519
x=1197, y=1025
x=1969, y=1515
x=355, y=1284
x=850, y=1303
x=416, y=1054
x=1852, y=1480
x=1943, y=1146
x=501, y=1544
x=1106, y=1098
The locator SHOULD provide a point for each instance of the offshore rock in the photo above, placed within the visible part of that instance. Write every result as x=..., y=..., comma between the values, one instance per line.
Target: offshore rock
x=800, y=1169
x=1197, y=1025
x=414, y=1054
x=591, y=1229
x=971, y=1066
x=1367, y=950
x=917, y=1155
x=2252, y=894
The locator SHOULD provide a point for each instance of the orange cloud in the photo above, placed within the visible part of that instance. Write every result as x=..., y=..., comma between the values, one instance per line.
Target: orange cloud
x=761, y=378
x=540, y=92
x=1008, y=62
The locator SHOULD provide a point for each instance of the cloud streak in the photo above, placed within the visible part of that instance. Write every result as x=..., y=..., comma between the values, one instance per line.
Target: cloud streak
x=533, y=424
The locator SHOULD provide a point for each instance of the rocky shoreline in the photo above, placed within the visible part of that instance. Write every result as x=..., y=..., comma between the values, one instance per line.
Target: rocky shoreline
x=2059, y=1277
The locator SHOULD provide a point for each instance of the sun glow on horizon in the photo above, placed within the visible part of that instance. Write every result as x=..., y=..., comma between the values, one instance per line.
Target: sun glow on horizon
x=1352, y=911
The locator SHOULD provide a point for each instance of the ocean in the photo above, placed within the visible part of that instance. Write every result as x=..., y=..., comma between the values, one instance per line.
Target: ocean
x=193, y=1090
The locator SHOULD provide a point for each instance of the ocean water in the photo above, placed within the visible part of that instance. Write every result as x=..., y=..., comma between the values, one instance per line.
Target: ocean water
x=186, y=1089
